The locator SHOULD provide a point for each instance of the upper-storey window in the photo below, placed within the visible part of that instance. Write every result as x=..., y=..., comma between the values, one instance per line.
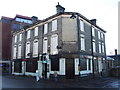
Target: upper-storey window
x=54, y=44
x=36, y=31
x=35, y=48
x=45, y=28
x=98, y=34
x=14, y=52
x=20, y=37
x=19, y=50
x=28, y=34
x=100, y=47
x=102, y=35
x=81, y=25
x=82, y=42
x=93, y=31
x=103, y=48
x=45, y=45
x=15, y=38
x=94, y=46
x=54, y=25
x=27, y=49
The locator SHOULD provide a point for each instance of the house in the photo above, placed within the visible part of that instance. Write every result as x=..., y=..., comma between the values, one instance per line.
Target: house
x=66, y=42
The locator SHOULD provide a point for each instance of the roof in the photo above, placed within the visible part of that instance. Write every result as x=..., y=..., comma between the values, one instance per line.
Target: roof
x=21, y=16
x=6, y=18
x=58, y=14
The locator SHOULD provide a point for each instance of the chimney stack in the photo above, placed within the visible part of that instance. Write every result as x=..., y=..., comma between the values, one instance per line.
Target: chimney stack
x=115, y=51
x=34, y=19
x=59, y=9
x=93, y=21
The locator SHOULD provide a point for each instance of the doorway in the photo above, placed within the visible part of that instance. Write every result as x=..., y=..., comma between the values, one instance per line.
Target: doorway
x=70, y=72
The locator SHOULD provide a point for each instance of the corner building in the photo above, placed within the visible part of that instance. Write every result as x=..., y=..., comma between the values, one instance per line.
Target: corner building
x=62, y=42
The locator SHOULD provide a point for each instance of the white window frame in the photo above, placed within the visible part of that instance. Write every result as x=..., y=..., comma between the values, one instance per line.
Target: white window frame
x=14, y=52
x=45, y=28
x=15, y=38
x=81, y=25
x=82, y=42
x=54, y=25
x=19, y=50
x=35, y=48
x=94, y=46
x=100, y=50
x=36, y=31
x=20, y=37
x=27, y=49
x=99, y=35
x=93, y=31
x=102, y=35
x=103, y=48
x=54, y=44
x=45, y=45
x=28, y=34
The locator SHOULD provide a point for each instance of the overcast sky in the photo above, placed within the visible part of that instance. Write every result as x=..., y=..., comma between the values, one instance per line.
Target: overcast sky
x=105, y=11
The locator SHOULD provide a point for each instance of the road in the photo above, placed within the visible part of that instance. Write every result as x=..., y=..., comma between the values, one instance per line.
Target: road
x=9, y=81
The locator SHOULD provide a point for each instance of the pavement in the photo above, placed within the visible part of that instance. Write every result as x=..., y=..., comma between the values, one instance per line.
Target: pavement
x=9, y=81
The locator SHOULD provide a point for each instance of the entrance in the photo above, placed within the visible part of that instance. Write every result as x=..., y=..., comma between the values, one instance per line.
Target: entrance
x=70, y=72
x=44, y=68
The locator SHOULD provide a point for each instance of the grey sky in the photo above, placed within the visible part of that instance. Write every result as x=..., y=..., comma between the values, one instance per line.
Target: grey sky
x=105, y=11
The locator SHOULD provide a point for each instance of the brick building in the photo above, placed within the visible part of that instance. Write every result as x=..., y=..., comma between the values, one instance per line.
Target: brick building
x=62, y=42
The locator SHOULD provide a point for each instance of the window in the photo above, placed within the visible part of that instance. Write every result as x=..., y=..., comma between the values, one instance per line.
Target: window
x=19, y=51
x=28, y=34
x=102, y=35
x=54, y=25
x=45, y=28
x=14, y=52
x=27, y=49
x=103, y=48
x=99, y=34
x=36, y=31
x=94, y=46
x=35, y=48
x=15, y=38
x=82, y=42
x=45, y=45
x=100, y=47
x=54, y=44
x=20, y=37
x=81, y=25
x=93, y=31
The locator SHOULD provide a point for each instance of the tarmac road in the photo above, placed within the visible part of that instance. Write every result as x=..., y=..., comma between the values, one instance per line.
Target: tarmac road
x=9, y=81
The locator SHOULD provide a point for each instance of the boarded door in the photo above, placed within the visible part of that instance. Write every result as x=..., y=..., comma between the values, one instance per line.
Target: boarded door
x=70, y=73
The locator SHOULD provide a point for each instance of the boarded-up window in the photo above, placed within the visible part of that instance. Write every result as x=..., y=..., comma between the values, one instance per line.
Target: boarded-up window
x=54, y=25
x=35, y=48
x=81, y=25
x=36, y=31
x=82, y=42
x=27, y=49
x=28, y=34
x=20, y=37
x=54, y=44
x=45, y=45
x=45, y=28
x=54, y=64
x=14, y=52
x=19, y=50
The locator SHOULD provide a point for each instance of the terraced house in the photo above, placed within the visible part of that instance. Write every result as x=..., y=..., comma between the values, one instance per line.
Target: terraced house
x=66, y=42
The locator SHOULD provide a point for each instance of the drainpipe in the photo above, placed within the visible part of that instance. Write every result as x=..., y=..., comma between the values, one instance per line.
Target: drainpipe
x=92, y=53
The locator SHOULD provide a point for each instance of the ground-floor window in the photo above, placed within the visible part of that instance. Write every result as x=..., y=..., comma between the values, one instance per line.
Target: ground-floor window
x=31, y=66
x=54, y=64
x=17, y=66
